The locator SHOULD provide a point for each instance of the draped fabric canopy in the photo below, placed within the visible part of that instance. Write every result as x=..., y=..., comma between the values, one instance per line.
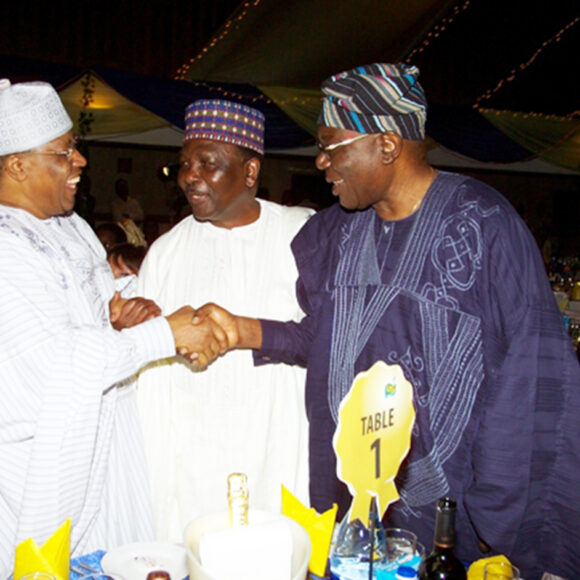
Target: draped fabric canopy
x=129, y=107
x=501, y=77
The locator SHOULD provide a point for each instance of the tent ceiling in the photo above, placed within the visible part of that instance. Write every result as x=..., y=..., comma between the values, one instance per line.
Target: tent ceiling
x=273, y=54
x=299, y=43
x=463, y=47
x=500, y=77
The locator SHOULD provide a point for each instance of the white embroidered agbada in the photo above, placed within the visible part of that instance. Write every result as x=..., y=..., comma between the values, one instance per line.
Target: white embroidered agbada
x=70, y=443
x=199, y=427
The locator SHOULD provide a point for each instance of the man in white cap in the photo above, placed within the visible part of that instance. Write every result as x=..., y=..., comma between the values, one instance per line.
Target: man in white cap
x=235, y=248
x=69, y=437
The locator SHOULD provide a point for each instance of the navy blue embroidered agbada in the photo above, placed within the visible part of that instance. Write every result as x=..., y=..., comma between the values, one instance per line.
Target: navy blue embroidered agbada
x=458, y=296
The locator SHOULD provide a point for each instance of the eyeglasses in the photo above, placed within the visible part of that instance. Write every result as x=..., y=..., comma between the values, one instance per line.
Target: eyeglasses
x=68, y=153
x=335, y=146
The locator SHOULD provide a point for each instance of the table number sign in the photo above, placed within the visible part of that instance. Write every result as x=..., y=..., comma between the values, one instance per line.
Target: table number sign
x=373, y=436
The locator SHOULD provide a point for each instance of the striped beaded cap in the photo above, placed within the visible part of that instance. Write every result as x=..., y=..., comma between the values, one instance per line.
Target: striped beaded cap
x=31, y=114
x=227, y=122
x=376, y=98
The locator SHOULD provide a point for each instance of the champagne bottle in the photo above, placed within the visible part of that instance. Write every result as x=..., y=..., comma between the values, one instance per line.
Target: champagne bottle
x=441, y=563
x=238, y=499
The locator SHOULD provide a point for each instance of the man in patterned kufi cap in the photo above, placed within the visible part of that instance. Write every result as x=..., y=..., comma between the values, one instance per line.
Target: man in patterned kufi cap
x=436, y=274
x=234, y=134
x=235, y=248
x=227, y=122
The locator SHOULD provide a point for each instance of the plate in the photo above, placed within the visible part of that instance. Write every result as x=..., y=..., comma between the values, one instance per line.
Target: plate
x=135, y=561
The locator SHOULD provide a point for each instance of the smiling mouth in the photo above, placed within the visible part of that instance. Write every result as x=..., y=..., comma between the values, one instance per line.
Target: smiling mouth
x=73, y=182
x=196, y=195
x=335, y=184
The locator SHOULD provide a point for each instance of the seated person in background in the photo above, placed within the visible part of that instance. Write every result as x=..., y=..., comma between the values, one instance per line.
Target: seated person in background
x=124, y=206
x=125, y=261
x=128, y=213
x=113, y=233
x=110, y=234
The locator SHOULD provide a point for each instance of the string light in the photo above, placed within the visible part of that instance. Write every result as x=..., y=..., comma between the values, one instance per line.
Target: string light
x=524, y=65
x=231, y=94
x=301, y=101
x=436, y=31
x=529, y=115
x=222, y=33
x=548, y=148
x=255, y=98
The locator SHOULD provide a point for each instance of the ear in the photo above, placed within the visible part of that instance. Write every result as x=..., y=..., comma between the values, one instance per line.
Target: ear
x=15, y=167
x=391, y=147
x=252, y=167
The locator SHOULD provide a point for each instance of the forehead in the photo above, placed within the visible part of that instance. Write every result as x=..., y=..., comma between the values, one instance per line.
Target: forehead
x=65, y=139
x=208, y=146
x=332, y=134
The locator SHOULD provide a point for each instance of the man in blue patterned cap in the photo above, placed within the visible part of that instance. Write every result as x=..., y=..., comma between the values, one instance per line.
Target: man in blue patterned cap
x=235, y=248
x=437, y=273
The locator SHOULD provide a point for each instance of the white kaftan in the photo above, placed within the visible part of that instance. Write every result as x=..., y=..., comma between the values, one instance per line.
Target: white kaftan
x=199, y=427
x=70, y=443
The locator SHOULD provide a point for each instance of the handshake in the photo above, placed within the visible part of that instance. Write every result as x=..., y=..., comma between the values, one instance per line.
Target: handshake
x=204, y=334
x=200, y=335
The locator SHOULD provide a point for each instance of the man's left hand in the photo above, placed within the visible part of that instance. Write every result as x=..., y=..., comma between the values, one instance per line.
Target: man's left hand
x=128, y=312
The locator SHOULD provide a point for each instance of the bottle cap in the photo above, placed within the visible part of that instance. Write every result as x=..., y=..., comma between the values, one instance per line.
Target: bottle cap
x=237, y=484
x=405, y=573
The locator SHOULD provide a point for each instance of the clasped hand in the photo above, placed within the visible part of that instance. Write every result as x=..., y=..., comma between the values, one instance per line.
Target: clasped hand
x=127, y=312
x=198, y=337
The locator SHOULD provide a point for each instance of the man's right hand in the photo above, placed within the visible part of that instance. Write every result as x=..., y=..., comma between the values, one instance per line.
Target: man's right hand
x=241, y=332
x=200, y=343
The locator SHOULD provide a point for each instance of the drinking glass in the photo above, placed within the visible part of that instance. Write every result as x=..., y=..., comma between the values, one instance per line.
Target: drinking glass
x=500, y=571
x=400, y=542
x=420, y=550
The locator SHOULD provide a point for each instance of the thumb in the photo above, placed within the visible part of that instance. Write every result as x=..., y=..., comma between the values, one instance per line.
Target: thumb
x=199, y=316
x=115, y=306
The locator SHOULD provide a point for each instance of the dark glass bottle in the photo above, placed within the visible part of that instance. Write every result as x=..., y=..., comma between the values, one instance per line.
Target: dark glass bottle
x=441, y=563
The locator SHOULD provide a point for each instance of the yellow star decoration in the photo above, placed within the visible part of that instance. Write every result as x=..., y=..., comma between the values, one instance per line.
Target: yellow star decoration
x=53, y=557
x=373, y=436
x=318, y=526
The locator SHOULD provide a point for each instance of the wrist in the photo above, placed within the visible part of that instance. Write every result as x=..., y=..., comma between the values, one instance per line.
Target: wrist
x=249, y=333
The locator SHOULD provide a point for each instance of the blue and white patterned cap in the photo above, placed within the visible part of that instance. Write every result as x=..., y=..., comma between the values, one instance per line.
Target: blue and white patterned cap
x=31, y=114
x=376, y=98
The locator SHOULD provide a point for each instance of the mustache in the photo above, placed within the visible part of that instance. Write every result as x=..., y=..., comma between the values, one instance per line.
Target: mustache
x=194, y=189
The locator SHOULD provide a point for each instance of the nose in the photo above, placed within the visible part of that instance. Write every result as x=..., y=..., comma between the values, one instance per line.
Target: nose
x=322, y=161
x=188, y=174
x=79, y=159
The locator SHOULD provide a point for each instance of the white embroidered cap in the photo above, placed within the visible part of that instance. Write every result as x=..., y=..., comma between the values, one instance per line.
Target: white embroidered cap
x=31, y=114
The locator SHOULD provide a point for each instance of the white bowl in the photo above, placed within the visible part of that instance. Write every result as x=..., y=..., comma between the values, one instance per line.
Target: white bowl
x=220, y=521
